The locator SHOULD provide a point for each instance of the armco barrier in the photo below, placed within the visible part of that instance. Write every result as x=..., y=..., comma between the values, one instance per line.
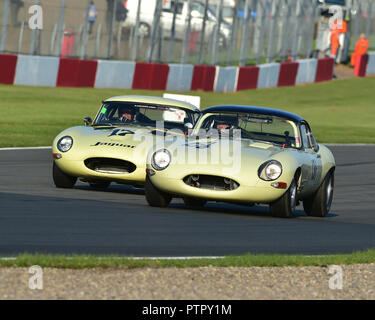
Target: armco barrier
x=287, y=74
x=371, y=64
x=306, y=71
x=76, y=73
x=226, y=79
x=36, y=71
x=203, y=78
x=268, y=75
x=114, y=74
x=247, y=78
x=324, y=70
x=8, y=63
x=150, y=76
x=361, y=65
x=180, y=77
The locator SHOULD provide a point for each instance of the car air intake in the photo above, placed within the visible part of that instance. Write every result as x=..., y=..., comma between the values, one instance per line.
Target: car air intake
x=211, y=182
x=110, y=166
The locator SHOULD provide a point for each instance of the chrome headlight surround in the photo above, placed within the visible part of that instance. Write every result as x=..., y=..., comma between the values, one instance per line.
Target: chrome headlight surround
x=65, y=143
x=270, y=170
x=161, y=159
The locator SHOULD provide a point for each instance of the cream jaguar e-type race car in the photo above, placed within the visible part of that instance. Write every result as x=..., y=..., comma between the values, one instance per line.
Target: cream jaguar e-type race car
x=114, y=147
x=245, y=155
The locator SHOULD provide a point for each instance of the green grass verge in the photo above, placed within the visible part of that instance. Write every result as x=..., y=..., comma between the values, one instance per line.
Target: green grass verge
x=338, y=111
x=248, y=260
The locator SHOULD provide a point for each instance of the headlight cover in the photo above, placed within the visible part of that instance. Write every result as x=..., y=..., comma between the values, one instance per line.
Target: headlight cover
x=270, y=170
x=65, y=143
x=161, y=159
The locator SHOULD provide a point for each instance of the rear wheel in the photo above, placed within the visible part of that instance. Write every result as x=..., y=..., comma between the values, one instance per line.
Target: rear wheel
x=319, y=204
x=194, y=202
x=61, y=179
x=154, y=196
x=100, y=185
x=286, y=205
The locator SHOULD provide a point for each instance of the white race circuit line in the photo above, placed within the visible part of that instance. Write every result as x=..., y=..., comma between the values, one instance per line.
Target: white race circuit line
x=141, y=258
x=25, y=148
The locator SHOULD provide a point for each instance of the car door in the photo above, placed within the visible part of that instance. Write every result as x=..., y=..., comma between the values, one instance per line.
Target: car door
x=311, y=161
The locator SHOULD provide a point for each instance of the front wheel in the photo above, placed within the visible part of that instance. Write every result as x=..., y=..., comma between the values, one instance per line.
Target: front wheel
x=155, y=197
x=286, y=205
x=319, y=204
x=61, y=179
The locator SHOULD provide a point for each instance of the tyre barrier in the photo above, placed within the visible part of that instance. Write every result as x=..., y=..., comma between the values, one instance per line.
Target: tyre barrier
x=268, y=75
x=361, y=64
x=67, y=72
x=36, y=71
x=324, y=70
x=288, y=74
x=180, y=77
x=114, y=74
x=247, y=78
x=226, y=79
x=370, y=70
x=76, y=73
x=306, y=71
x=203, y=78
x=8, y=64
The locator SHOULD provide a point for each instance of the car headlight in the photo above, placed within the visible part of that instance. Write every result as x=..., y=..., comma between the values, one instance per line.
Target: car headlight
x=270, y=170
x=161, y=159
x=65, y=143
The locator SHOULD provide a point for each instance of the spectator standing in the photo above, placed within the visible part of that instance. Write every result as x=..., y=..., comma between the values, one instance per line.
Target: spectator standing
x=92, y=16
x=361, y=48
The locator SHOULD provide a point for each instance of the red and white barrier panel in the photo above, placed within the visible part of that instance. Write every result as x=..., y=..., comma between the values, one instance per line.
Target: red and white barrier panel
x=8, y=63
x=66, y=72
x=370, y=70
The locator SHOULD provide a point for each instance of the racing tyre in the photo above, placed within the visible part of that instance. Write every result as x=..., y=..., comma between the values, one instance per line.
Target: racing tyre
x=319, y=204
x=154, y=197
x=194, y=202
x=100, y=185
x=61, y=179
x=286, y=205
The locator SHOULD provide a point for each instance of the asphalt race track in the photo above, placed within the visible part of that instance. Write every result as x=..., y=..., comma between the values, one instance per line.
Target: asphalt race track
x=35, y=217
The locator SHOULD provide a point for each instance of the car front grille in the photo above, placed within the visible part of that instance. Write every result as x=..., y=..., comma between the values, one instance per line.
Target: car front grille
x=211, y=182
x=110, y=165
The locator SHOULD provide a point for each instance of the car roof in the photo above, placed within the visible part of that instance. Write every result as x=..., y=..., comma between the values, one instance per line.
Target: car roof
x=154, y=100
x=254, y=110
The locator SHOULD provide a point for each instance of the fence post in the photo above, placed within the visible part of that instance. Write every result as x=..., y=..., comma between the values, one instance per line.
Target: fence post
x=85, y=35
x=215, y=46
x=20, y=39
x=233, y=38
x=135, y=32
x=173, y=33
x=185, y=44
x=154, y=30
x=97, y=42
x=244, y=38
x=5, y=26
x=60, y=28
x=111, y=30
x=264, y=7
x=34, y=34
x=271, y=40
x=203, y=33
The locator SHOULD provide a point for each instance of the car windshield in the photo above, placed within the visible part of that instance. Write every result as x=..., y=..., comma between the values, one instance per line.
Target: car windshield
x=264, y=128
x=142, y=114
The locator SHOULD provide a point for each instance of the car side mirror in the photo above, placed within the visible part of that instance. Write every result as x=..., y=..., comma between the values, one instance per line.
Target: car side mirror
x=188, y=126
x=87, y=121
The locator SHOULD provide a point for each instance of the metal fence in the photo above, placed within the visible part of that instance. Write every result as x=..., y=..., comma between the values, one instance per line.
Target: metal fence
x=177, y=31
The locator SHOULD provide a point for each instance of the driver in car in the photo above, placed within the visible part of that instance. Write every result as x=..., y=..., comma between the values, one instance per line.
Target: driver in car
x=126, y=114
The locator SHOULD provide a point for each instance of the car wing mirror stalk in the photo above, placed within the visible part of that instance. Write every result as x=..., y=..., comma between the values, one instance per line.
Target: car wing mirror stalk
x=87, y=121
